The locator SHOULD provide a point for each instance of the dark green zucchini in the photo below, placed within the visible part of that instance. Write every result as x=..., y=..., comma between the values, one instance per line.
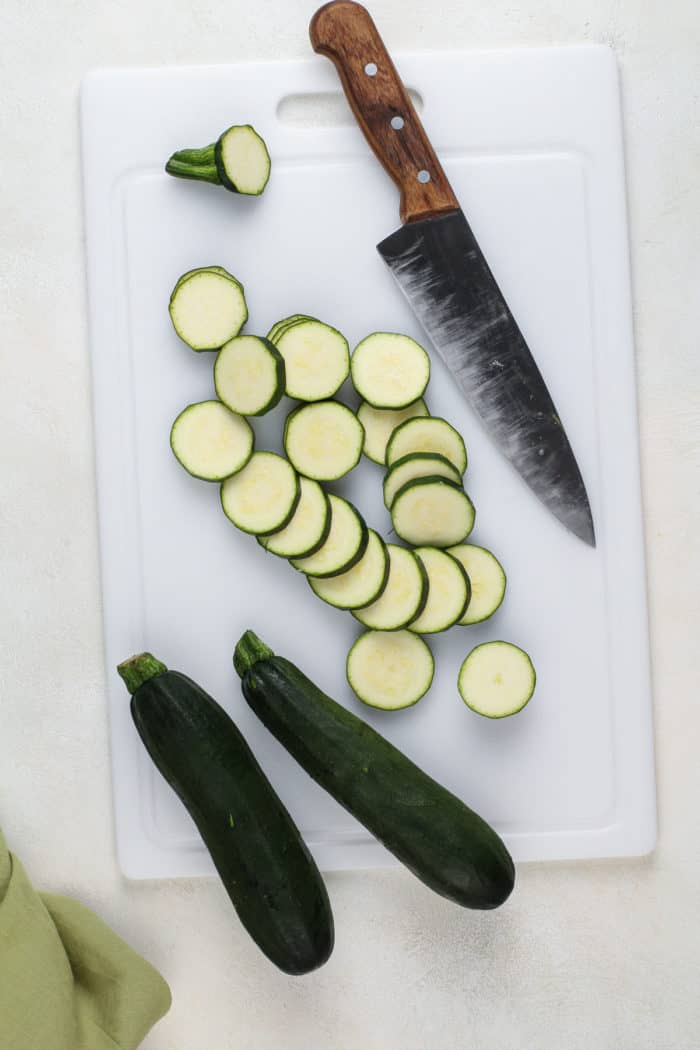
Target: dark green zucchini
x=443, y=842
x=265, y=867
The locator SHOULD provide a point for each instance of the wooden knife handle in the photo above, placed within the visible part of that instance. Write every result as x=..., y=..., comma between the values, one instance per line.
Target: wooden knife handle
x=345, y=32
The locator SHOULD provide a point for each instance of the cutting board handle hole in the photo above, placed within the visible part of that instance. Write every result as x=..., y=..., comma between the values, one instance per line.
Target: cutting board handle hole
x=325, y=109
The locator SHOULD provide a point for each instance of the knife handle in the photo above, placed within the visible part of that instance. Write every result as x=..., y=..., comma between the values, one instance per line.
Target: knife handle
x=344, y=32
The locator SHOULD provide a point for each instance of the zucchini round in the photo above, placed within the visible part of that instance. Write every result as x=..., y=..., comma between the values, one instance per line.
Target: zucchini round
x=210, y=441
x=360, y=585
x=390, y=370
x=323, y=440
x=432, y=511
x=380, y=423
x=427, y=435
x=390, y=669
x=443, y=842
x=266, y=869
x=488, y=581
x=263, y=496
x=403, y=597
x=242, y=161
x=417, y=465
x=249, y=375
x=308, y=530
x=316, y=358
x=345, y=544
x=496, y=679
x=449, y=591
x=207, y=308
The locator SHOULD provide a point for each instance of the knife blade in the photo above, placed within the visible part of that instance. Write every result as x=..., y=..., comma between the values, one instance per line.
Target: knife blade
x=442, y=271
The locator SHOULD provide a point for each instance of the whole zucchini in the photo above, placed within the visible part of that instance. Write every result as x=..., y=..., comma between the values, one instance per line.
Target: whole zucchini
x=265, y=867
x=443, y=842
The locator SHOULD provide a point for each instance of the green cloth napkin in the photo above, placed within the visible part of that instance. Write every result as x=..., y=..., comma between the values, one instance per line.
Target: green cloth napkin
x=67, y=982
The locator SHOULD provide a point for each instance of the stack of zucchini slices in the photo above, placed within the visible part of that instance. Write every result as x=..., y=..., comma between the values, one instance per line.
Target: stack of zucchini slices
x=399, y=593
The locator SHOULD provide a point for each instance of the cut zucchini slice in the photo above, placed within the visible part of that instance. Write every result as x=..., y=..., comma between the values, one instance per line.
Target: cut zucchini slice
x=360, y=585
x=249, y=375
x=323, y=440
x=346, y=542
x=496, y=679
x=417, y=465
x=207, y=308
x=390, y=370
x=487, y=578
x=263, y=496
x=432, y=512
x=242, y=160
x=427, y=435
x=308, y=530
x=404, y=595
x=448, y=591
x=390, y=669
x=317, y=360
x=210, y=441
x=380, y=423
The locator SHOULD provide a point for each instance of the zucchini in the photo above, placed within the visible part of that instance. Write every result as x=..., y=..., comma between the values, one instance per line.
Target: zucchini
x=242, y=160
x=308, y=530
x=238, y=161
x=380, y=423
x=207, y=308
x=449, y=591
x=323, y=440
x=443, y=842
x=417, y=465
x=404, y=596
x=390, y=669
x=266, y=869
x=210, y=441
x=389, y=370
x=249, y=375
x=263, y=496
x=345, y=544
x=316, y=357
x=427, y=435
x=496, y=679
x=488, y=581
x=432, y=511
x=360, y=585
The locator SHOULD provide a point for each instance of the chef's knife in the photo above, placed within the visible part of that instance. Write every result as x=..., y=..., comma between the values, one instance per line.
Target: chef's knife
x=440, y=268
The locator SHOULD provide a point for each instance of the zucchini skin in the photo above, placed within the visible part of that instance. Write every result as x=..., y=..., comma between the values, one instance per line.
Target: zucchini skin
x=262, y=860
x=443, y=842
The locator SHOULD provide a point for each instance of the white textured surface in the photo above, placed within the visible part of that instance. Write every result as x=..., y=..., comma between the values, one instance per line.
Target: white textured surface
x=598, y=956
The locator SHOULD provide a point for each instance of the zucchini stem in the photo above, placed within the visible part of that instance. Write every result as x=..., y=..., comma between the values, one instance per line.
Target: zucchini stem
x=248, y=652
x=139, y=669
x=194, y=164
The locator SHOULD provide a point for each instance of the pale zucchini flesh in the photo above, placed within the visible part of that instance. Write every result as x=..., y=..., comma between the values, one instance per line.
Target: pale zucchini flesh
x=249, y=375
x=390, y=670
x=210, y=441
x=323, y=440
x=487, y=578
x=497, y=679
x=263, y=496
x=417, y=465
x=308, y=529
x=207, y=308
x=344, y=546
x=242, y=161
x=404, y=595
x=448, y=591
x=380, y=423
x=432, y=512
x=360, y=585
x=317, y=360
x=389, y=370
x=427, y=435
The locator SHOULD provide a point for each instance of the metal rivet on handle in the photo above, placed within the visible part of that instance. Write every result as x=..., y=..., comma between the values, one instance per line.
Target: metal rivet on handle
x=397, y=123
x=371, y=69
x=423, y=175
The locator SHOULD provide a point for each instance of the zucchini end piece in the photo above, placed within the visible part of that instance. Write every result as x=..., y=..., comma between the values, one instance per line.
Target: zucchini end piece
x=197, y=164
x=139, y=669
x=248, y=652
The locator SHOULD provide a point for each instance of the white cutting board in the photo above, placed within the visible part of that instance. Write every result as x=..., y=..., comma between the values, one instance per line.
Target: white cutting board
x=531, y=141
